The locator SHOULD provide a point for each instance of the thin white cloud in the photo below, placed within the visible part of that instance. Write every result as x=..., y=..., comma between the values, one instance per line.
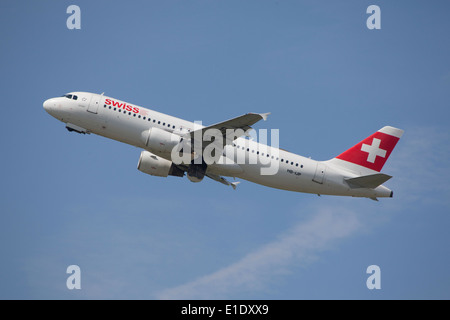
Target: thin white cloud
x=253, y=272
x=420, y=164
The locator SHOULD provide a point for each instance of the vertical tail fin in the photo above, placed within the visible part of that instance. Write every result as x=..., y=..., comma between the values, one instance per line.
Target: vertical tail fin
x=371, y=153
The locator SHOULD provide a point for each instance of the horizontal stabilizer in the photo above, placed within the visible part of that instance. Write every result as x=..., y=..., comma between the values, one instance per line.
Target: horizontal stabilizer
x=371, y=181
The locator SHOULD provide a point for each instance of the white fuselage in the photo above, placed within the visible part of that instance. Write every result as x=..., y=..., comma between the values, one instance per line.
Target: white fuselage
x=128, y=123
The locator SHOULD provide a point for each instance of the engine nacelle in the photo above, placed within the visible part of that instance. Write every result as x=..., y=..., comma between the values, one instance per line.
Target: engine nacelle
x=160, y=141
x=157, y=166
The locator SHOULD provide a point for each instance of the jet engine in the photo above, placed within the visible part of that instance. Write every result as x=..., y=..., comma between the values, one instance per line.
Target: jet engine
x=160, y=141
x=157, y=166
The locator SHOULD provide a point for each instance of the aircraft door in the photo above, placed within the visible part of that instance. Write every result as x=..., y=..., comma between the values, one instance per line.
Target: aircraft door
x=94, y=104
x=320, y=172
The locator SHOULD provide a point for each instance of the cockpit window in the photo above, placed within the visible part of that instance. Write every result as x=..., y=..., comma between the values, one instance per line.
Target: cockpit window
x=69, y=96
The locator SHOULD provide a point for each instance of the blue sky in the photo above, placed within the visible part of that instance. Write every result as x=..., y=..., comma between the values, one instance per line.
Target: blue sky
x=328, y=81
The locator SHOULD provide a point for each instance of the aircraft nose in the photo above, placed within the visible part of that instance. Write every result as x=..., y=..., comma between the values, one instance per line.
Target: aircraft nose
x=48, y=104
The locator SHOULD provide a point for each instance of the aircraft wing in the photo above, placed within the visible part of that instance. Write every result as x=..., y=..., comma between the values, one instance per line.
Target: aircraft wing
x=222, y=180
x=243, y=123
x=217, y=134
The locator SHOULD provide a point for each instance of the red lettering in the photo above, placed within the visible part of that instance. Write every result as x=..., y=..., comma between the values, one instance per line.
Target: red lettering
x=124, y=106
x=116, y=104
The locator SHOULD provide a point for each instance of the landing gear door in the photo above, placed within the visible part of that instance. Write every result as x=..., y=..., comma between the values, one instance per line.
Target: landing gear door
x=320, y=173
x=94, y=103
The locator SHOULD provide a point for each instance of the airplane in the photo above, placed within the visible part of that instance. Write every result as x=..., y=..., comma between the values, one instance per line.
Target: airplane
x=164, y=138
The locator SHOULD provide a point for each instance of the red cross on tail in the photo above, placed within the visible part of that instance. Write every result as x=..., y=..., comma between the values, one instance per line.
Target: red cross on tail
x=373, y=152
